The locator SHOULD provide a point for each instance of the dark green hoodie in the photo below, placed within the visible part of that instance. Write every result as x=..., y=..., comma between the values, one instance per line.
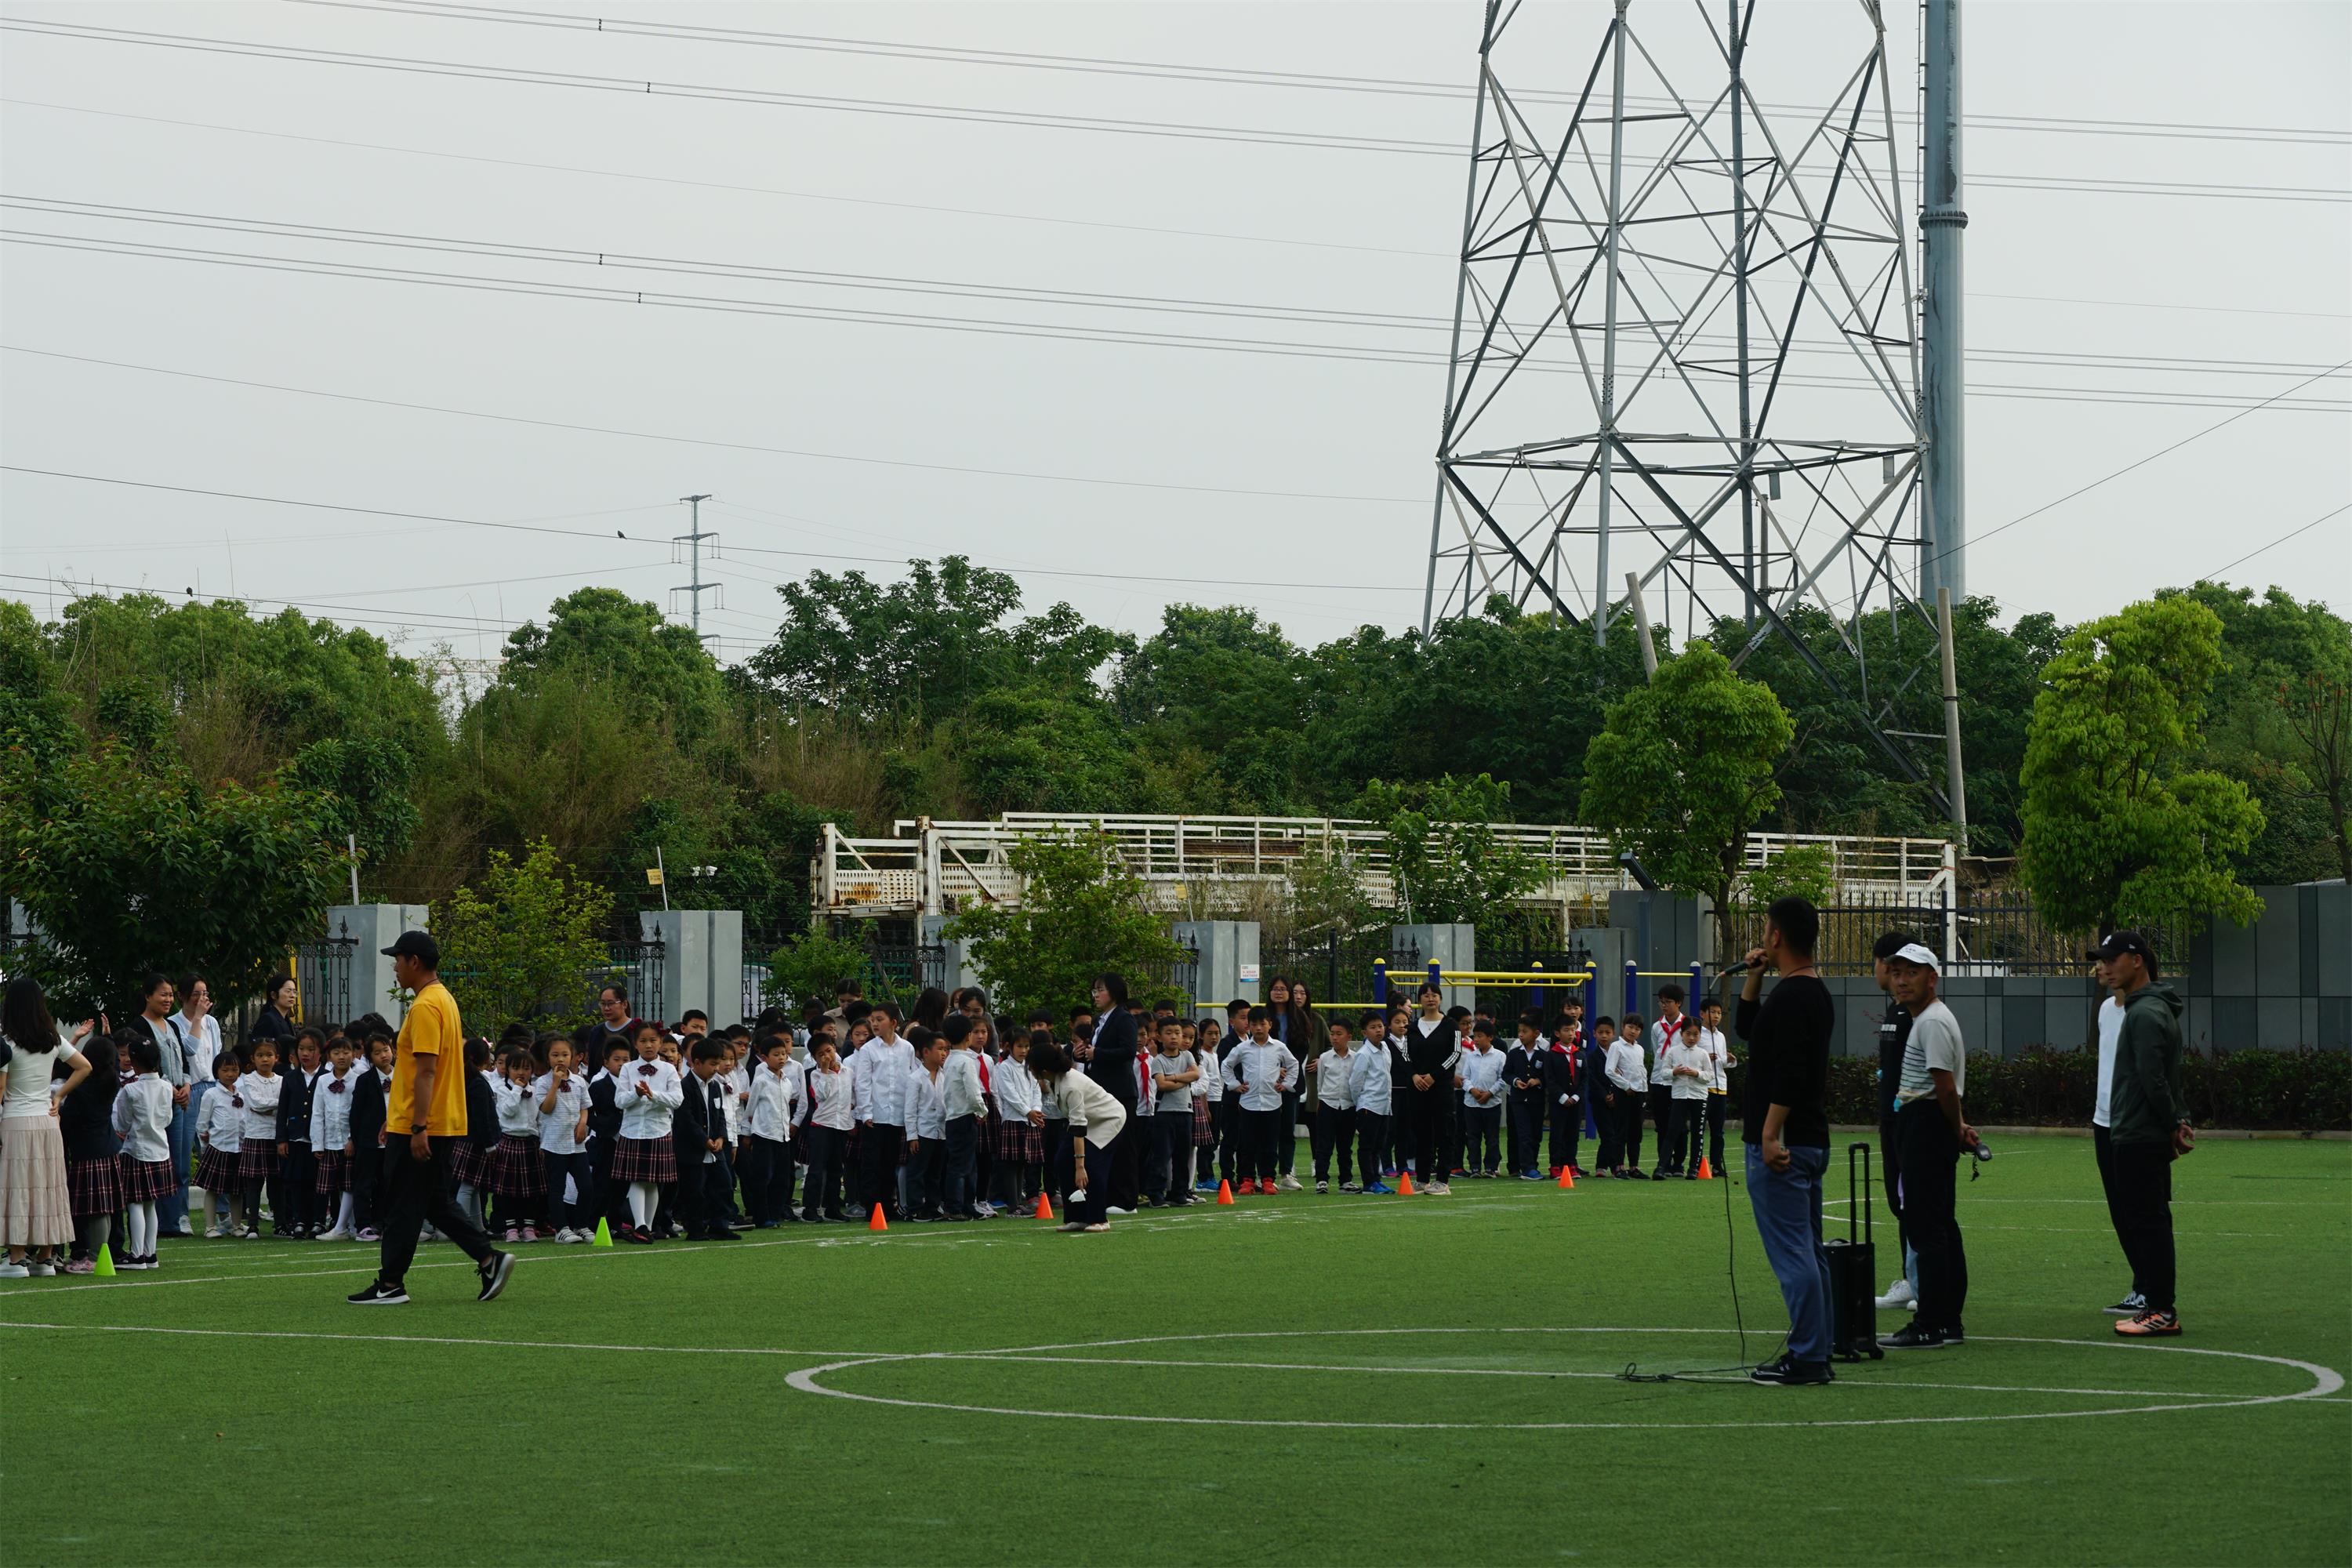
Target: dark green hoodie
x=2146, y=1101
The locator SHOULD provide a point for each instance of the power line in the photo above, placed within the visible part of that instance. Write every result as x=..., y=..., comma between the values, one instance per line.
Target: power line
x=990, y=326
x=1225, y=75
x=907, y=109
x=2282, y=539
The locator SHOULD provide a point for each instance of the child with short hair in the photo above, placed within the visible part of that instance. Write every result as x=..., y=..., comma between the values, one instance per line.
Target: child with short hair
x=1259, y=1070
x=831, y=1116
x=1371, y=1085
x=1622, y=1082
x=1480, y=1076
x=1017, y=1170
x=700, y=1135
x=1523, y=1073
x=1718, y=1094
x=258, y=1093
x=371, y=1106
x=220, y=1135
x=926, y=1124
x=1692, y=1070
x=1174, y=1071
x=293, y=1201
x=143, y=1121
x=963, y=1105
x=607, y=1199
x=514, y=1177
x=331, y=1139
x=1566, y=1084
x=1334, y=1132
x=648, y=1094
x=1661, y=1038
x=559, y=1100
x=778, y=1088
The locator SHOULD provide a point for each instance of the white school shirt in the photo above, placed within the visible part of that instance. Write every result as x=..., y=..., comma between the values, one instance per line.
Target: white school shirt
x=926, y=1113
x=832, y=1098
x=1259, y=1073
x=1623, y=1066
x=777, y=1100
x=1371, y=1082
x=882, y=1080
x=1718, y=1054
x=331, y=1113
x=1211, y=1084
x=219, y=1124
x=517, y=1111
x=142, y=1118
x=1481, y=1070
x=648, y=1116
x=1679, y=1054
x=961, y=1092
x=559, y=1128
x=1016, y=1091
x=1660, y=1036
x=2111, y=1029
x=1090, y=1111
x=259, y=1098
x=1335, y=1079
x=738, y=1086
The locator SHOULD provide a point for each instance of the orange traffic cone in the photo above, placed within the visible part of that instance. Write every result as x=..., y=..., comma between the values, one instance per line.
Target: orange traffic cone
x=1706, y=1170
x=1567, y=1180
x=1404, y=1184
x=1225, y=1192
x=878, y=1222
x=1044, y=1209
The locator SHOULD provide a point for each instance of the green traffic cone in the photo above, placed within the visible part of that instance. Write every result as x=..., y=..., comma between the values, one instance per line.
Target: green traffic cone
x=603, y=1233
x=105, y=1270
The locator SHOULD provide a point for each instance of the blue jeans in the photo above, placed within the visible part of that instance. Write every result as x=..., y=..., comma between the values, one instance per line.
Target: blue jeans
x=172, y=1212
x=1787, y=1206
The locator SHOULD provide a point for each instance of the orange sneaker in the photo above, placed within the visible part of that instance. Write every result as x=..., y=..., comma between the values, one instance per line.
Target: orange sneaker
x=2150, y=1326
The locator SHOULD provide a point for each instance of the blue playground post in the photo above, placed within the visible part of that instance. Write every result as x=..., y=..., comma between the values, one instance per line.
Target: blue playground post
x=1633, y=986
x=1433, y=972
x=1535, y=991
x=1699, y=984
x=1380, y=982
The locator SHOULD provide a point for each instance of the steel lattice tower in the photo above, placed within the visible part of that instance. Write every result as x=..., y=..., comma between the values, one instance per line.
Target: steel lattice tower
x=1688, y=343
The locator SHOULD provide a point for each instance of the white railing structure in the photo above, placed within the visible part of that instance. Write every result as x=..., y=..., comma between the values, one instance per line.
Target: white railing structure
x=932, y=867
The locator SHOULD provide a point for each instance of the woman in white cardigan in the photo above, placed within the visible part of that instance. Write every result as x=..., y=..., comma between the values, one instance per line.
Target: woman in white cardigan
x=1094, y=1117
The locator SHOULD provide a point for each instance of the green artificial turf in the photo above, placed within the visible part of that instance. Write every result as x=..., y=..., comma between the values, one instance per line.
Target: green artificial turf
x=638, y=1406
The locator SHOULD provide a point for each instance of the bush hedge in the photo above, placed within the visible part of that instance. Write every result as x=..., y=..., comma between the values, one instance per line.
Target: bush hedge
x=2305, y=1090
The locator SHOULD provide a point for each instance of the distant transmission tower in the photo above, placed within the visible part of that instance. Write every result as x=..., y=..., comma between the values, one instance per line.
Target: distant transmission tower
x=1689, y=377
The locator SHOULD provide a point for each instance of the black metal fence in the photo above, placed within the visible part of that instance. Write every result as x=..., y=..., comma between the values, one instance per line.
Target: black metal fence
x=1180, y=978
x=1988, y=933
x=322, y=980
x=1509, y=998
x=1337, y=966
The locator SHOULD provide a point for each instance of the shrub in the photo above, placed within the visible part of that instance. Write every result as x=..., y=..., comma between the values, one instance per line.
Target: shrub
x=2305, y=1090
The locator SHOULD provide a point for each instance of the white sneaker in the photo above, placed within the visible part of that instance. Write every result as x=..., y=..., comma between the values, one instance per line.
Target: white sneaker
x=338, y=1233
x=42, y=1270
x=1114, y=1208
x=1438, y=1190
x=568, y=1234
x=1287, y=1184
x=14, y=1272
x=1899, y=1294
x=217, y=1232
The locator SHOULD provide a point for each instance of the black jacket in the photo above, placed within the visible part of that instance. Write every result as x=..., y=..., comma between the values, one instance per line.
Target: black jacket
x=481, y=1110
x=1566, y=1072
x=603, y=1112
x=294, y=1106
x=690, y=1130
x=1114, y=1064
x=1525, y=1062
x=368, y=1109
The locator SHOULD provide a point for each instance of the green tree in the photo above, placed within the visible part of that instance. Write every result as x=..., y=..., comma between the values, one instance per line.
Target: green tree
x=810, y=967
x=1801, y=870
x=1081, y=911
x=524, y=942
x=1449, y=865
x=35, y=717
x=1682, y=769
x=125, y=868
x=2120, y=826
x=629, y=646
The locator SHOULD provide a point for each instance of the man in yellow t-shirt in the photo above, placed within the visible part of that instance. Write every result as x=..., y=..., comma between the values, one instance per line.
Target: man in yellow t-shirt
x=424, y=1117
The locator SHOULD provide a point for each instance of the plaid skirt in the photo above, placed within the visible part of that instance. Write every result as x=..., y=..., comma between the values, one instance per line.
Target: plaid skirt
x=1021, y=1141
x=469, y=1163
x=334, y=1173
x=1201, y=1134
x=216, y=1170
x=146, y=1181
x=93, y=1187
x=645, y=1160
x=515, y=1171
x=258, y=1161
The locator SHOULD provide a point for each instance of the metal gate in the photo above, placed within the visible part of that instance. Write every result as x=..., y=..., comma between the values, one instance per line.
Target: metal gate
x=322, y=980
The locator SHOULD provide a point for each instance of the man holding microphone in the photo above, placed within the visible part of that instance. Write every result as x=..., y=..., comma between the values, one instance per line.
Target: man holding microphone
x=1785, y=1123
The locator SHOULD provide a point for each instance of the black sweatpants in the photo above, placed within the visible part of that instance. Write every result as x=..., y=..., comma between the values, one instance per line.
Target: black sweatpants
x=417, y=1191
x=1372, y=1143
x=1719, y=1112
x=878, y=1146
x=1286, y=1145
x=961, y=1187
x=1526, y=1148
x=823, y=1193
x=1175, y=1163
x=767, y=1178
x=1432, y=1127
x=1567, y=1128
x=1334, y=1140
x=1662, y=1122
x=1259, y=1132
x=2102, y=1150
x=925, y=1174
x=1930, y=1193
x=1481, y=1137
x=1629, y=1129
x=1684, y=1135
x=2144, y=1199
x=1890, y=1167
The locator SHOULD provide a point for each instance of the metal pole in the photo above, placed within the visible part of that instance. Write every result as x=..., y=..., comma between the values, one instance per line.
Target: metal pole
x=1461, y=295
x=664, y=874
x=1609, y=322
x=694, y=541
x=1955, y=787
x=352, y=842
x=1738, y=41
x=1943, y=378
x=1641, y=624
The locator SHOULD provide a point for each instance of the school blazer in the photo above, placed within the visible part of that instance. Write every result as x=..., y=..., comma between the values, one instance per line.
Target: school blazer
x=481, y=1112
x=368, y=1110
x=294, y=1106
x=690, y=1129
x=603, y=1112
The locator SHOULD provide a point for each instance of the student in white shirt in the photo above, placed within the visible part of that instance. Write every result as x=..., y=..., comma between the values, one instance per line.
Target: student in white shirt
x=1480, y=1076
x=963, y=1109
x=141, y=1118
x=648, y=1094
x=777, y=1092
x=832, y=1113
x=884, y=1067
x=1018, y=1167
x=1718, y=1045
x=1260, y=1070
x=1172, y=1070
x=1371, y=1087
x=331, y=1137
x=1692, y=1072
x=1661, y=1037
x=1095, y=1119
x=1622, y=1102
x=1334, y=1132
x=256, y=1098
x=560, y=1098
x=515, y=1177
x=926, y=1124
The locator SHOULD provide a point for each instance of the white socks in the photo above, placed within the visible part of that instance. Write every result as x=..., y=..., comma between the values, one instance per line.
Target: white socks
x=643, y=1196
x=344, y=1215
x=141, y=1218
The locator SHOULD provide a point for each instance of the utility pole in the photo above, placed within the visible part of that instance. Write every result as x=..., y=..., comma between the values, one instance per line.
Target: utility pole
x=1943, y=377
x=693, y=541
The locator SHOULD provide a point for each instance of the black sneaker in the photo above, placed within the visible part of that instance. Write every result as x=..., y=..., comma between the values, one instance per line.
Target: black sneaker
x=494, y=1270
x=379, y=1294
x=2131, y=1306
x=1912, y=1336
x=1787, y=1368
x=1956, y=1336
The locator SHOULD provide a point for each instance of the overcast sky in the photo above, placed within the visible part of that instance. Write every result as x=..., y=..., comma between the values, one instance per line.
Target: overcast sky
x=2262, y=287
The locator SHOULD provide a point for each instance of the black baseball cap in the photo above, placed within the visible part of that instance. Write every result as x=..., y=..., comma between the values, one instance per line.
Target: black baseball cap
x=2119, y=942
x=418, y=945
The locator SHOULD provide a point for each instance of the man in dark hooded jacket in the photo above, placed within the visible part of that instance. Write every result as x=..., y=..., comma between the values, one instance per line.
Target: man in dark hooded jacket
x=2147, y=1122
